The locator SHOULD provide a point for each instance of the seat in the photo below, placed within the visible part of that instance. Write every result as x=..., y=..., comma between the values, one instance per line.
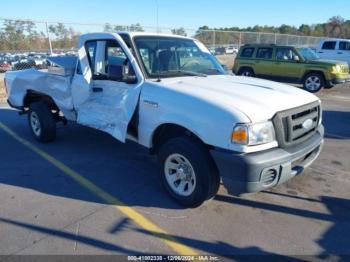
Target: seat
x=166, y=61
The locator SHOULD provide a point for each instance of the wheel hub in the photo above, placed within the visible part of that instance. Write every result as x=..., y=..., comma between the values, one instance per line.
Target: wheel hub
x=35, y=123
x=180, y=174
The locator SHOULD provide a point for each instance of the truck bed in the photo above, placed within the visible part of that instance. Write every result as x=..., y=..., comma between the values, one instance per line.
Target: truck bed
x=18, y=84
x=56, y=82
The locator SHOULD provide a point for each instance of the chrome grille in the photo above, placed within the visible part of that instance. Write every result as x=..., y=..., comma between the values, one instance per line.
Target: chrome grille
x=297, y=125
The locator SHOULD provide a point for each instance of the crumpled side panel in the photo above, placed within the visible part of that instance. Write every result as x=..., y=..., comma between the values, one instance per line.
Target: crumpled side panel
x=112, y=110
x=55, y=86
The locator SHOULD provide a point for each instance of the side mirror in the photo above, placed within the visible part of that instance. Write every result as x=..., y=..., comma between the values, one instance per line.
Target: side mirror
x=130, y=79
x=115, y=72
x=121, y=73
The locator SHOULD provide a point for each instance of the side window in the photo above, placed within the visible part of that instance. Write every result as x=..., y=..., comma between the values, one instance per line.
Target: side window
x=247, y=52
x=264, y=53
x=344, y=45
x=329, y=45
x=115, y=55
x=285, y=54
x=116, y=58
x=90, y=48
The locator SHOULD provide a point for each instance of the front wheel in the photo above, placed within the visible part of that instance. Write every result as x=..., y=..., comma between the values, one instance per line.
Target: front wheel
x=187, y=171
x=313, y=82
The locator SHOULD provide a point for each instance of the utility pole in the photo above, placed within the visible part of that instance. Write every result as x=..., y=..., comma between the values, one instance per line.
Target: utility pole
x=214, y=38
x=48, y=37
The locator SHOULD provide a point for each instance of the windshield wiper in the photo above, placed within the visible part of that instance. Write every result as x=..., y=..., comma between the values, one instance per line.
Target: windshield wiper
x=188, y=73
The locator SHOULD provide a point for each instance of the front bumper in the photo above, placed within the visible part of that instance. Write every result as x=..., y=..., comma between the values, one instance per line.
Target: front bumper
x=249, y=173
x=339, y=80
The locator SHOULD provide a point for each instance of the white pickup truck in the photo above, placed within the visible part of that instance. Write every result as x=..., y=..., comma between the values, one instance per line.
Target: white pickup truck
x=334, y=49
x=169, y=94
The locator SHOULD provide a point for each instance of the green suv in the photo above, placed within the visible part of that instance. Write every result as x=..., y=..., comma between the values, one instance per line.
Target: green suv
x=290, y=64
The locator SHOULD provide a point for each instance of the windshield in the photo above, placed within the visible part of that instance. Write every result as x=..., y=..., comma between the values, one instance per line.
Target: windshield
x=308, y=53
x=170, y=57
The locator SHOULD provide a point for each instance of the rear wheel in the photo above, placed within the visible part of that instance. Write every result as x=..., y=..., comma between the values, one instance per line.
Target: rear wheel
x=248, y=72
x=313, y=82
x=42, y=122
x=187, y=171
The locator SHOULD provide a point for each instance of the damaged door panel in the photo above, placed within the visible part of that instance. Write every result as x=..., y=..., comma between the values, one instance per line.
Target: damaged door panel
x=102, y=97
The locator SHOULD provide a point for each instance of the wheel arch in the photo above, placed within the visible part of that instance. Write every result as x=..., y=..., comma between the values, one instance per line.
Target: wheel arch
x=242, y=67
x=166, y=131
x=34, y=96
x=312, y=71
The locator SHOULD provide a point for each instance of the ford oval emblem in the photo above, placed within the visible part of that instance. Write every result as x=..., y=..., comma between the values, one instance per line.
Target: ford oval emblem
x=307, y=124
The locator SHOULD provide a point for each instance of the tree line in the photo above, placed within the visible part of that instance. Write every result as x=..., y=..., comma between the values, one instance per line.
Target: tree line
x=24, y=35
x=335, y=27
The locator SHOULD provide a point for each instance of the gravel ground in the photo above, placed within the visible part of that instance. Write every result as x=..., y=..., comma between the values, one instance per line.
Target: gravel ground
x=3, y=96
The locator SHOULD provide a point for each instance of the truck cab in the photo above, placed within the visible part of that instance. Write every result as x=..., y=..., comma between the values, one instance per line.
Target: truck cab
x=335, y=49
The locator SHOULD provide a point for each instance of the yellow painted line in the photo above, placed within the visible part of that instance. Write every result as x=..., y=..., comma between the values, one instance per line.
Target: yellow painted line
x=106, y=197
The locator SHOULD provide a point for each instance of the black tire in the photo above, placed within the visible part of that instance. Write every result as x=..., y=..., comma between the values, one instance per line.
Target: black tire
x=246, y=71
x=317, y=77
x=207, y=178
x=329, y=86
x=46, y=121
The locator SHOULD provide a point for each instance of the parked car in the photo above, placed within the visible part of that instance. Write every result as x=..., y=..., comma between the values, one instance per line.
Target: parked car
x=203, y=124
x=23, y=65
x=230, y=50
x=335, y=50
x=4, y=65
x=39, y=61
x=220, y=51
x=289, y=64
x=212, y=50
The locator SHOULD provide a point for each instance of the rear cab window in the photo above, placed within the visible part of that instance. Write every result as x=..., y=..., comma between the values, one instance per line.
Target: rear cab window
x=344, y=45
x=329, y=45
x=264, y=53
x=247, y=52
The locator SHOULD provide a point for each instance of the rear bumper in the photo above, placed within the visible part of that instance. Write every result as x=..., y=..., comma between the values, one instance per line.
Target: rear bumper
x=249, y=173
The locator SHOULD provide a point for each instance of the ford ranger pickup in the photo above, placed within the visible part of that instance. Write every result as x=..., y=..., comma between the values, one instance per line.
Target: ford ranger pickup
x=169, y=94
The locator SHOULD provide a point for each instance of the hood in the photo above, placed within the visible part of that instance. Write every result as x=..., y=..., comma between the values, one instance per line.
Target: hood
x=258, y=99
x=327, y=62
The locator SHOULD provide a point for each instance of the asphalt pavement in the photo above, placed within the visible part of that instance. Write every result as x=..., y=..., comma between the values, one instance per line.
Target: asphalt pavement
x=86, y=193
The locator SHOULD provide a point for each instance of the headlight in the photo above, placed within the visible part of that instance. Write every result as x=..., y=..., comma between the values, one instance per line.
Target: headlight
x=336, y=69
x=253, y=134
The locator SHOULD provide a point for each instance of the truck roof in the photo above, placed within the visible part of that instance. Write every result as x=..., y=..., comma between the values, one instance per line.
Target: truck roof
x=108, y=35
x=133, y=34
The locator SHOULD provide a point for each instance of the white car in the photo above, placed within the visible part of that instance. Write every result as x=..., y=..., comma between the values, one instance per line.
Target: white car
x=334, y=49
x=204, y=125
x=231, y=50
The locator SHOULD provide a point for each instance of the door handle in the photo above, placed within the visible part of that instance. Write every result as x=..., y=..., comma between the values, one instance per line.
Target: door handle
x=97, y=89
x=320, y=52
x=340, y=53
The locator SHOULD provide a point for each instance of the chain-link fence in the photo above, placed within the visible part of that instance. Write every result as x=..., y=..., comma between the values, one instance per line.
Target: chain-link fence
x=27, y=43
